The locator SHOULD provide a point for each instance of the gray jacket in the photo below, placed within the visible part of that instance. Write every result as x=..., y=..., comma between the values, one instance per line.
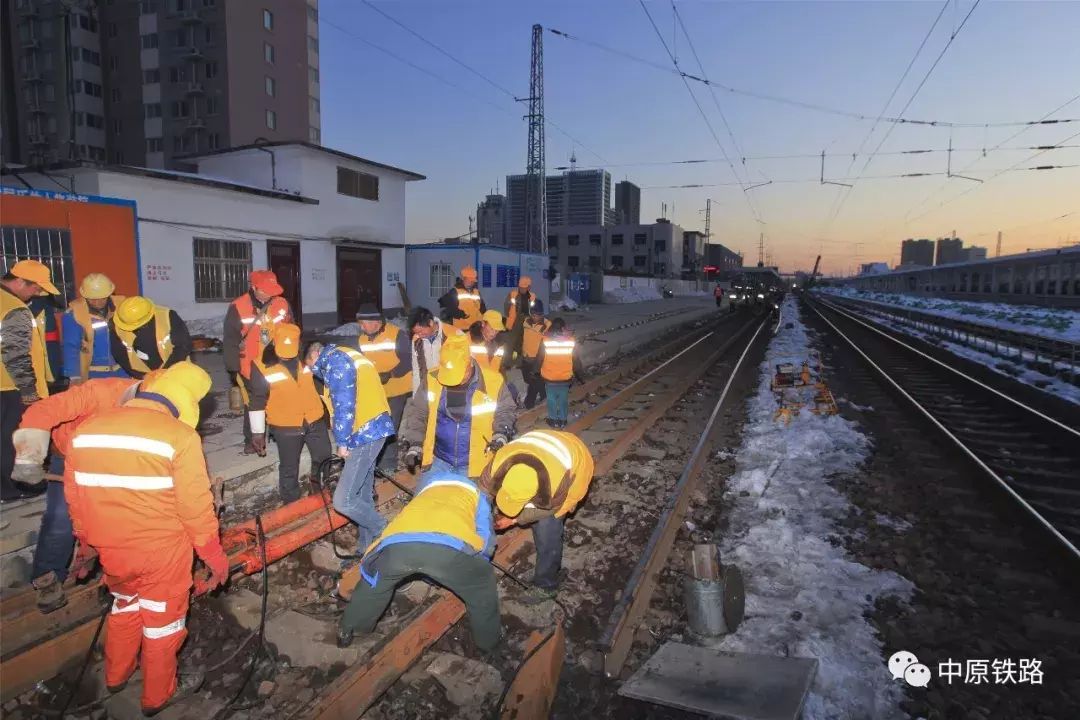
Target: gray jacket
x=17, y=328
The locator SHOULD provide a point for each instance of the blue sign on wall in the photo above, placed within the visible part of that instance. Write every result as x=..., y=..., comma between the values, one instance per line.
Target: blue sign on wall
x=577, y=287
x=485, y=275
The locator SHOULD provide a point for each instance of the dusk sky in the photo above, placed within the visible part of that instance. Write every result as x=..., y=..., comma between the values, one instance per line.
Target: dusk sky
x=1011, y=61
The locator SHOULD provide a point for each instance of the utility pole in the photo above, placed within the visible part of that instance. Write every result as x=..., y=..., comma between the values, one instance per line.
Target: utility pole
x=761, y=250
x=536, y=166
x=998, y=245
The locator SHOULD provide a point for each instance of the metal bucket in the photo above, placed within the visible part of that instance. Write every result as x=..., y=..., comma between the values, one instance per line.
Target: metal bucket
x=714, y=607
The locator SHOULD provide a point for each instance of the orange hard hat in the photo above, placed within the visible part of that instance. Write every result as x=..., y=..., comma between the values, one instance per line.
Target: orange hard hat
x=287, y=341
x=35, y=272
x=468, y=273
x=266, y=281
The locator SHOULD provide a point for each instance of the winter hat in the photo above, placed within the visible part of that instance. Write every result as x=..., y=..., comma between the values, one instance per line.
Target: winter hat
x=368, y=311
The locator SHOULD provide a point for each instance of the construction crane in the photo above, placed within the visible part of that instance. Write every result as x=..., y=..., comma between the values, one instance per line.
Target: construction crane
x=813, y=275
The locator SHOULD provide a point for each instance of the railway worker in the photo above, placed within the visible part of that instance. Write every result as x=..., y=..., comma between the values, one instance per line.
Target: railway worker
x=248, y=329
x=445, y=534
x=85, y=331
x=559, y=363
x=459, y=416
x=427, y=334
x=44, y=309
x=23, y=362
x=386, y=345
x=144, y=336
x=718, y=293
x=56, y=418
x=519, y=303
x=538, y=479
x=490, y=348
x=463, y=305
x=361, y=424
x=534, y=329
x=139, y=493
x=282, y=395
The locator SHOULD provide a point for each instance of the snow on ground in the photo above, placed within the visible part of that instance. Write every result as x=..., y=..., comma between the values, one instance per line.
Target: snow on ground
x=621, y=295
x=1004, y=366
x=805, y=597
x=565, y=304
x=1056, y=323
x=213, y=328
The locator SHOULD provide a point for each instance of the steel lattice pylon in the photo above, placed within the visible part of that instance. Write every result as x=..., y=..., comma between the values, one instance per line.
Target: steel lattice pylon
x=536, y=167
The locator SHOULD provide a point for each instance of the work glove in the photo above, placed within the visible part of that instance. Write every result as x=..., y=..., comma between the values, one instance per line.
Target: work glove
x=73, y=381
x=412, y=460
x=85, y=559
x=28, y=474
x=384, y=377
x=216, y=561
x=28, y=400
x=497, y=442
x=259, y=443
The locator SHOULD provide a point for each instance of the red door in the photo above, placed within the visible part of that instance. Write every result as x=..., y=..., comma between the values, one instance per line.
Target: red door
x=284, y=261
x=359, y=280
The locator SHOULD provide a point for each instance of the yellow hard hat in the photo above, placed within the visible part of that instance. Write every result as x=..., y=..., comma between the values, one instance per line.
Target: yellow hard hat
x=133, y=313
x=35, y=272
x=519, y=487
x=184, y=385
x=287, y=341
x=468, y=273
x=96, y=286
x=454, y=360
x=494, y=318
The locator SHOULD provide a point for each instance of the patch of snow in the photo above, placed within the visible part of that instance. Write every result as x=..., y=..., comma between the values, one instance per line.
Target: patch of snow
x=1056, y=323
x=783, y=513
x=854, y=406
x=893, y=523
x=214, y=328
x=564, y=304
x=352, y=329
x=622, y=296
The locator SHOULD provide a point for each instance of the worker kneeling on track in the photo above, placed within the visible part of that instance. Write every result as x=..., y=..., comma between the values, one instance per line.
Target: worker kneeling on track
x=283, y=395
x=139, y=493
x=538, y=479
x=445, y=534
x=57, y=417
x=459, y=416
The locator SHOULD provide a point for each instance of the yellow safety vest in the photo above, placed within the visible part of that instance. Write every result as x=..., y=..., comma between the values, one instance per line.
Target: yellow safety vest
x=481, y=421
x=565, y=457
x=558, y=365
x=469, y=303
x=382, y=350
x=492, y=362
x=370, y=398
x=511, y=317
x=38, y=357
x=534, y=334
x=80, y=311
x=163, y=336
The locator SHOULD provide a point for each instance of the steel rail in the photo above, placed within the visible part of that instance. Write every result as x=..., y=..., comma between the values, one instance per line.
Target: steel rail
x=352, y=694
x=1043, y=522
x=635, y=599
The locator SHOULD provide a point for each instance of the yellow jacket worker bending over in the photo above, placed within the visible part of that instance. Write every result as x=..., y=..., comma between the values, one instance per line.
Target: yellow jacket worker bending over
x=539, y=479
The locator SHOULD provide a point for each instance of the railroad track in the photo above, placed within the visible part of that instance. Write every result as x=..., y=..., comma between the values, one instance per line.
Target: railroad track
x=1028, y=454
x=634, y=517
x=36, y=647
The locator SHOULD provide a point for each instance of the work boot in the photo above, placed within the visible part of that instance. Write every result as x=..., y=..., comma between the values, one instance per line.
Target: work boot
x=114, y=689
x=50, y=593
x=249, y=448
x=186, y=686
x=344, y=638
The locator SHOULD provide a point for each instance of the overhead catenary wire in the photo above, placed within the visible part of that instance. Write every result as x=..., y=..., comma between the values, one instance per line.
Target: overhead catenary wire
x=477, y=73
x=800, y=103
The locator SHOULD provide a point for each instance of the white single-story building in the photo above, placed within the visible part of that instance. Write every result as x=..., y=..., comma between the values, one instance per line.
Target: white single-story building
x=431, y=270
x=330, y=224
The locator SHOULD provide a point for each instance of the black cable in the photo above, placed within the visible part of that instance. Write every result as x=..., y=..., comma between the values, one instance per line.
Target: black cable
x=231, y=706
x=502, y=698
x=86, y=662
x=323, y=483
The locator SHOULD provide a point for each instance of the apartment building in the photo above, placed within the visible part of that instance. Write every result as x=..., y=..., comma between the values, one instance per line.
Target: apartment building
x=655, y=250
x=576, y=197
x=146, y=82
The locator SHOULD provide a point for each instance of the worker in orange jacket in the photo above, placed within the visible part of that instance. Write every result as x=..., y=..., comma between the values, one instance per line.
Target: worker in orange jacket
x=57, y=417
x=139, y=493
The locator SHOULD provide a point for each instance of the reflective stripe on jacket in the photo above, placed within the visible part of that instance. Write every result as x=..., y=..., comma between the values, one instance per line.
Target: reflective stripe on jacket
x=449, y=510
x=512, y=307
x=352, y=393
x=566, y=460
x=486, y=359
x=35, y=344
x=469, y=303
x=381, y=349
x=63, y=413
x=558, y=365
x=257, y=326
x=293, y=400
x=136, y=478
x=88, y=334
x=534, y=335
x=162, y=334
x=462, y=443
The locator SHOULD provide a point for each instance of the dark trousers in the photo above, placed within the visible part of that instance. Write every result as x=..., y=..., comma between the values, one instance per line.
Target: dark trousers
x=388, y=460
x=719, y=301
x=534, y=384
x=548, y=539
x=11, y=410
x=55, y=542
x=470, y=577
x=290, y=442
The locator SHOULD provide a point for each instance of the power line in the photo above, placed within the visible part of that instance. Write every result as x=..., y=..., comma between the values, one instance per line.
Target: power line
x=799, y=103
x=885, y=107
x=911, y=99
x=475, y=72
x=753, y=210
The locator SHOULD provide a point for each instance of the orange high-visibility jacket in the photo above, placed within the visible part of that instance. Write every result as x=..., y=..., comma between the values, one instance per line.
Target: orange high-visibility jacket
x=534, y=335
x=485, y=359
x=136, y=479
x=258, y=327
x=558, y=364
x=63, y=413
x=293, y=400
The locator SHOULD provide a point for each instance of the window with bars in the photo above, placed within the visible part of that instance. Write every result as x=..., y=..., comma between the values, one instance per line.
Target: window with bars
x=357, y=184
x=441, y=279
x=50, y=246
x=222, y=268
